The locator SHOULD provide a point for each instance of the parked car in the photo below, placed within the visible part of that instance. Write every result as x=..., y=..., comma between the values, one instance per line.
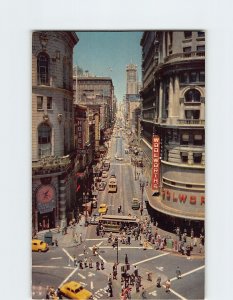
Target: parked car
x=103, y=209
x=74, y=290
x=102, y=186
x=39, y=246
x=135, y=203
x=105, y=174
x=94, y=219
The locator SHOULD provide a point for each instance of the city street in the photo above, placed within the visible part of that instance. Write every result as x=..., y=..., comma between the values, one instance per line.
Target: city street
x=57, y=265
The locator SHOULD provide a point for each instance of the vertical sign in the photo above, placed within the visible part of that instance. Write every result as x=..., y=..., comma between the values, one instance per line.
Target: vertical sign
x=155, y=162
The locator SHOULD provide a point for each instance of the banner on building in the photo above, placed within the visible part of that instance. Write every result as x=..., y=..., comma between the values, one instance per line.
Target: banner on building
x=155, y=163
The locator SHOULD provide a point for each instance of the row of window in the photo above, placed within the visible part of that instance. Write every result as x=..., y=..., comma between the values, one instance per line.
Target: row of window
x=197, y=157
x=40, y=102
x=200, y=48
x=188, y=34
x=192, y=77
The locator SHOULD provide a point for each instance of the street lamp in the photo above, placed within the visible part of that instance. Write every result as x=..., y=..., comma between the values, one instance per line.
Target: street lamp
x=85, y=198
x=143, y=183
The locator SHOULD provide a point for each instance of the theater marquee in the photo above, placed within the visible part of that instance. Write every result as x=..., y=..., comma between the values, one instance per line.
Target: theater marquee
x=155, y=162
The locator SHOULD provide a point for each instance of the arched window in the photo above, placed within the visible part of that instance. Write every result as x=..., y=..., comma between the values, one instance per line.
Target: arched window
x=192, y=96
x=43, y=69
x=44, y=140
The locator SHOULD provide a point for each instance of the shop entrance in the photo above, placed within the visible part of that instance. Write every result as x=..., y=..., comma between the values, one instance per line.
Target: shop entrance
x=46, y=221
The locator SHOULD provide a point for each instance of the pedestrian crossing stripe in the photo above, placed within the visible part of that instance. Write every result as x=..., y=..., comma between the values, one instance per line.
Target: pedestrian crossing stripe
x=154, y=293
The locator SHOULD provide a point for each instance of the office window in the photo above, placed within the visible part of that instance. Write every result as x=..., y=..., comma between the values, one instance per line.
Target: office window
x=201, y=48
x=184, y=139
x=192, y=114
x=198, y=140
x=49, y=103
x=193, y=77
x=187, y=34
x=192, y=95
x=187, y=49
x=44, y=140
x=202, y=76
x=184, y=77
x=197, y=158
x=42, y=69
x=200, y=33
x=39, y=102
x=184, y=157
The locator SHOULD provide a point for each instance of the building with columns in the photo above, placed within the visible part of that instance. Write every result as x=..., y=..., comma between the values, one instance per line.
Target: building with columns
x=53, y=159
x=173, y=110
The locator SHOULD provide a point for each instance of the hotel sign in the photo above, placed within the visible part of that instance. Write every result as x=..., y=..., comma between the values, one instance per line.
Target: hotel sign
x=155, y=162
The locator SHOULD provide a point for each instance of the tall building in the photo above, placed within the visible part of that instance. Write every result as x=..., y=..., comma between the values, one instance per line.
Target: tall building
x=131, y=79
x=97, y=94
x=53, y=186
x=173, y=125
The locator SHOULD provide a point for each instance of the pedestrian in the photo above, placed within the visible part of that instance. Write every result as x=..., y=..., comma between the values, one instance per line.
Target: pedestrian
x=80, y=264
x=178, y=273
x=135, y=271
x=85, y=262
x=90, y=263
x=110, y=293
x=102, y=264
x=115, y=274
x=158, y=282
x=56, y=242
x=84, y=249
x=80, y=238
x=137, y=286
x=168, y=285
x=75, y=261
x=128, y=240
x=110, y=279
x=143, y=294
x=97, y=265
x=126, y=259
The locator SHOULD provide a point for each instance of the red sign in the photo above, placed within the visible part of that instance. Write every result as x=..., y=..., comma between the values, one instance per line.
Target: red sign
x=155, y=162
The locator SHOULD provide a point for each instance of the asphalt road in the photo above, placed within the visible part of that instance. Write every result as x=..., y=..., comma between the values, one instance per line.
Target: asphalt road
x=56, y=266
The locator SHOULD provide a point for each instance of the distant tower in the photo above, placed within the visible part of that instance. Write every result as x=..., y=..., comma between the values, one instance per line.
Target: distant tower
x=131, y=80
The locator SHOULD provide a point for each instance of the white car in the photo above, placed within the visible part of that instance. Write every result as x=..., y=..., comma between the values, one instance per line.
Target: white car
x=104, y=174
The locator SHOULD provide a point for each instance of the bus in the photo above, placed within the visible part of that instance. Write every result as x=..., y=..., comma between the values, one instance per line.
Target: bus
x=106, y=165
x=114, y=223
x=112, y=185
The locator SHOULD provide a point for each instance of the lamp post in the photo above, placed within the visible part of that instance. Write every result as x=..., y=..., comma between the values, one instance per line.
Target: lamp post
x=143, y=183
x=85, y=198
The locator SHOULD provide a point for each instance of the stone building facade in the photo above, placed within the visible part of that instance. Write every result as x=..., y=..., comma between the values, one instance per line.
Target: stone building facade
x=173, y=108
x=53, y=185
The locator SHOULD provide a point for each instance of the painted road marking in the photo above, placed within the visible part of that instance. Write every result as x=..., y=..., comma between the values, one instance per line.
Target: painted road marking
x=81, y=254
x=82, y=276
x=129, y=247
x=102, y=259
x=99, y=244
x=56, y=257
x=151, y=258
x=53, y=267
x=154, y=293
x=159, y=268
x=190, y=272
x=97, y=239
x=185, y=274
x=68, y=277
x=91, y=274
x=83, y=283
x=68, y=254
x=92, y=285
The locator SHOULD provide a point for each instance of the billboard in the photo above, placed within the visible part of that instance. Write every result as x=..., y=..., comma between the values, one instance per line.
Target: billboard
x=155, y=162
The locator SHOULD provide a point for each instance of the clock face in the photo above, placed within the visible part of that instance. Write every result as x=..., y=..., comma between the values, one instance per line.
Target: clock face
x=45, y=194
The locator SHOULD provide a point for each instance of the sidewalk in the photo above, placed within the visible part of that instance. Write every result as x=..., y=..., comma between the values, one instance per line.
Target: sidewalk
x=170, y=235
x=67, y=240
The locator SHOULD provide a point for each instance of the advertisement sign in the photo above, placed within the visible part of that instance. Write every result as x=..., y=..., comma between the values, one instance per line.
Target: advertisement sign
x=155, y=162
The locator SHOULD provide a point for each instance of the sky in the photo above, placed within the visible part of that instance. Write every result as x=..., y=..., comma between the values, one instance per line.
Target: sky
x=108, y=54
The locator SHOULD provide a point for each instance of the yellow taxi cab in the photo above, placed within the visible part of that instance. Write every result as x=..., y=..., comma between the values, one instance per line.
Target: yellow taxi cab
x=38, y=245
x=74, y=290
x=103, y=209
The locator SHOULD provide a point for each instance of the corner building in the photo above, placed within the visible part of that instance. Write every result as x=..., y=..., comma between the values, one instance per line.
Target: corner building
x=173, y=108
x=53, y=185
